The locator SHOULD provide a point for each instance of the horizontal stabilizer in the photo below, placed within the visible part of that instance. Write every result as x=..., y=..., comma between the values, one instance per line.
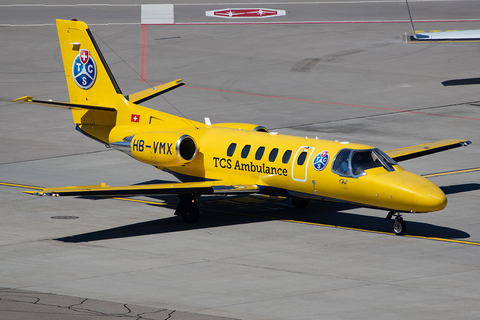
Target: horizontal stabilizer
x=408, y=153
x=63, y=105
x=203, y=187
x=142, y=96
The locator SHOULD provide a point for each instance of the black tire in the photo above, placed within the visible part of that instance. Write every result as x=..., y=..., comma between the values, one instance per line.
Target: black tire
x=299, y=203
x=192, y=215
x=399, y=227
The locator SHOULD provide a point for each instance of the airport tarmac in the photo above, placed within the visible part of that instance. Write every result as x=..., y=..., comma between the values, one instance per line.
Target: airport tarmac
x=337, y=70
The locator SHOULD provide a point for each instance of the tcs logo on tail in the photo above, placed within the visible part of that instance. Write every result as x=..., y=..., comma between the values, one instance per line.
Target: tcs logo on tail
x=84, y=70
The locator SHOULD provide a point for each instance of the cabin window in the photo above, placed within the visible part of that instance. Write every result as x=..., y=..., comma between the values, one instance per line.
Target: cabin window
x=259, y=153
x=231, y=149
x=301, y=158
x=246, y=151
x=273, y=155
x=286, y=156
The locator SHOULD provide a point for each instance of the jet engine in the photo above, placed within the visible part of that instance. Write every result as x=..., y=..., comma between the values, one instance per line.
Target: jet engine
x=242, y=126
x=160, y=149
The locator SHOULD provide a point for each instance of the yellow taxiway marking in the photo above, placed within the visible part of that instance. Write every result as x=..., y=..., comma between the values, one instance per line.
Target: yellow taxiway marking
x=450, y=172
x=362, y=230
x=145, y=201
x=19, y=186
x=289, y=220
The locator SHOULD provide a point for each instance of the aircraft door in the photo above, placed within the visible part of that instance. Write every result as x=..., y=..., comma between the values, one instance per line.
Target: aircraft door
x=301, y=163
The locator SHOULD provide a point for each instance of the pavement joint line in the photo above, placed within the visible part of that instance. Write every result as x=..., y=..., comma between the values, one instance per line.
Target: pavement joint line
x=282, y=220
x=56, y=157
x=393, y=110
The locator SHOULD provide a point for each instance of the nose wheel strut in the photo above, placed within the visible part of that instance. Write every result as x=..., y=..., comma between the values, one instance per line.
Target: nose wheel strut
x=398, y=226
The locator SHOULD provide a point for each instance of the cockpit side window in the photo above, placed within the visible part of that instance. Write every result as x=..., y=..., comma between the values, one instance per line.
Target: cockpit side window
x=354, y=163
x=363, y=160
x=341, y=164
x=387, y=162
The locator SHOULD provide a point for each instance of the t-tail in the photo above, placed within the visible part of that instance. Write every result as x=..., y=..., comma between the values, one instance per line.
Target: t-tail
x=99, y=108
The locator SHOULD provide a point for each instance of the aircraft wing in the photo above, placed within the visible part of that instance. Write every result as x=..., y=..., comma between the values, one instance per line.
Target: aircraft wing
x=203, y=187
x=421, y=150
x=142, y=96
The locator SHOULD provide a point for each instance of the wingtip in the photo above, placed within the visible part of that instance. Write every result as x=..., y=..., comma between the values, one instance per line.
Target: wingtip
x=24, y=99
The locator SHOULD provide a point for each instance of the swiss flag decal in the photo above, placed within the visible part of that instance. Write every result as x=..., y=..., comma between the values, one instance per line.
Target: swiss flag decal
x=84, y=54
x=135, y=118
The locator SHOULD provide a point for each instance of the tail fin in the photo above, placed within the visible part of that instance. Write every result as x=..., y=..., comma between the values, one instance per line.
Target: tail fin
x=89, y=78
x=98, y=106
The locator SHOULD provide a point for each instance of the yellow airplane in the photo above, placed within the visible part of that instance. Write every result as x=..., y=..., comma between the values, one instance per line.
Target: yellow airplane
x=230, y=158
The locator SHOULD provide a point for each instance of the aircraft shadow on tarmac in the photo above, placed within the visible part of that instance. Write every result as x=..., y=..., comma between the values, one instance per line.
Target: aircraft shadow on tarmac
x=459, y=188
x=461, y=82
x=219, y=212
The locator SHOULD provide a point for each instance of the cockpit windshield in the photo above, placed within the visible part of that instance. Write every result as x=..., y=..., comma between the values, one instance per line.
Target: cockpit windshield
x=354, y=163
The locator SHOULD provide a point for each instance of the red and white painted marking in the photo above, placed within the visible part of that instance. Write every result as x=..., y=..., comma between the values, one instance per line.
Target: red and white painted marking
x=236, y=13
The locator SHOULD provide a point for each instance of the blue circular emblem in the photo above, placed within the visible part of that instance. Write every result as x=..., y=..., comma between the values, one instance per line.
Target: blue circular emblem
x=84, y=70
x=321, y=160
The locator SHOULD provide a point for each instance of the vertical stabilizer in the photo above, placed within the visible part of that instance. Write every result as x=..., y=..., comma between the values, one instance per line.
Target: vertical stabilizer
x=90, y=81
x=89, y=78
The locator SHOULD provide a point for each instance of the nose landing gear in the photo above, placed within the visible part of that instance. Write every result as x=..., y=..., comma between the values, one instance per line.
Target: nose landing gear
x=398, y=226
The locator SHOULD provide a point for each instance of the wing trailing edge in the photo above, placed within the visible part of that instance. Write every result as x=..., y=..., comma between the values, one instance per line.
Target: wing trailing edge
x=203, y=187
x=421, y=150
x=145, y=95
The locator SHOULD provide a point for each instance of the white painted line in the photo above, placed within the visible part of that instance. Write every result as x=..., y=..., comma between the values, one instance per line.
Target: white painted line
x=157, y=14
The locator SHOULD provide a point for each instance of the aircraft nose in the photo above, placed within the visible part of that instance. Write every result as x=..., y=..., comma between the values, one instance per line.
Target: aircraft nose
x=428, y=199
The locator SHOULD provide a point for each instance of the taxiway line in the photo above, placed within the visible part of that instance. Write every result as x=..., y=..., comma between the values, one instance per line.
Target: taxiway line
x=450, y=172
x=362, y=230
x=19, y=186
x=333, y=103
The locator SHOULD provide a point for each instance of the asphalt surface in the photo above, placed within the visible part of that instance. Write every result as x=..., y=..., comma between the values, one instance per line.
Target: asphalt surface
x=337, y=70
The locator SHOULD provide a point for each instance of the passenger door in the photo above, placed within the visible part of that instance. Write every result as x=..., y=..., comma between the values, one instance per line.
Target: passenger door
x=301, y=162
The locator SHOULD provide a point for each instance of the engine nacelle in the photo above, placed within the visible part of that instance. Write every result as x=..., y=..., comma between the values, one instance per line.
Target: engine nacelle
x=163, y=149
x=242, y=126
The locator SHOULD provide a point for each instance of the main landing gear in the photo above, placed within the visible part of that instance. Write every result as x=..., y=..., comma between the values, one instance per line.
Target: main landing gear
x=399, y=226
x=299, y=203
x=189, y=208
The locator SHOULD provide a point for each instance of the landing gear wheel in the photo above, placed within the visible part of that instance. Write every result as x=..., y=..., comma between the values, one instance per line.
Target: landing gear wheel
x=192, y=215
x=299, y=203
x=189, y=208
x=399, y=226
